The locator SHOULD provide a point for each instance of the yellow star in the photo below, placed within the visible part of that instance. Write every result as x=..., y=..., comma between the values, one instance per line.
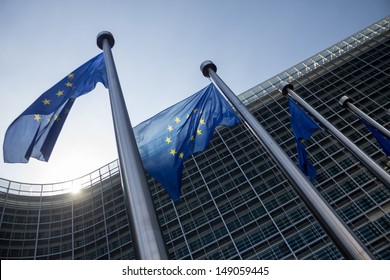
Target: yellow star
x=187, y=116
x=168, y=140
x=192, y=138
x=202, y=121
x=195, y=110
x=59, y=93
x=46, y=102
x=173, y=152
x=69, y=84
x=71, y=76
x=199, y=132
x=170, y=128
x=37, y=117
x=181, y=155
x=177, y=119
x=57, y=118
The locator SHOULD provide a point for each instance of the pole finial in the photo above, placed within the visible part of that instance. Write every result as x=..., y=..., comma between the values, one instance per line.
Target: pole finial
x=105, y=35
x=284, y=87
x=205, y=66
x=344, y=101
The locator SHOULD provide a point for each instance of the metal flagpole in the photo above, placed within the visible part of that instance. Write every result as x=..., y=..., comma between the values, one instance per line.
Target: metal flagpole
x=145, y=229
x=381, y=174
x=346, y=102
x=343, y=237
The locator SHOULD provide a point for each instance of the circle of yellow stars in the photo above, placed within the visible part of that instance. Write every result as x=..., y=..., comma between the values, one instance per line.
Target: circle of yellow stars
x=170, y=128
x=59, y=93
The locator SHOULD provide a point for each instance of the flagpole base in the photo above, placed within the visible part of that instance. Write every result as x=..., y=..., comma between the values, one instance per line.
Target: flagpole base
x=105, y=35
x=285, y=87
x=205, y=66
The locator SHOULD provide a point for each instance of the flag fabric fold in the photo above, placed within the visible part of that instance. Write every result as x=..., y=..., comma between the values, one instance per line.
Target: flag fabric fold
x=35, y=131
x=383, y=141
x=168, y=138
x=303, y=127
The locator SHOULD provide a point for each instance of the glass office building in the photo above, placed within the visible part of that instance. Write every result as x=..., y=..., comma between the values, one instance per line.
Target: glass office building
x=236, y=202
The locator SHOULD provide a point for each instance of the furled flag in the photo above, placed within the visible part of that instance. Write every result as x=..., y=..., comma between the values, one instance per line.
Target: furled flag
x=303, y=127
x=35, y=131
x=383, y=141
x=168, y=138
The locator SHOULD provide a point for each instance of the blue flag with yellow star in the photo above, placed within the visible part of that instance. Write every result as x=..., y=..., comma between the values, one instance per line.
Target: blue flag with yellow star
x=35, y=131
x=303, y=127
x=168, y=138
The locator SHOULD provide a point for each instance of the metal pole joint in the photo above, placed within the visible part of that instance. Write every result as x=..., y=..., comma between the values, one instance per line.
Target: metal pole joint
x=205, y=66
x=105, y=35
x=284, y=87
x=344, y=101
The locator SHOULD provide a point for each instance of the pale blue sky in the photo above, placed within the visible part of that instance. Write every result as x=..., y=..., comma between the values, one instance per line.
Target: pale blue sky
x=159, y=47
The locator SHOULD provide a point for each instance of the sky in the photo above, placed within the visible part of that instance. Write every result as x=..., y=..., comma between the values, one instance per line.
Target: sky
x=159, y=46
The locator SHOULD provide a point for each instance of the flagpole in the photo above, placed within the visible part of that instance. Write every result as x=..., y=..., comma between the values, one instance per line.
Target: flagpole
x=380, y=173
x=346, y=102
x=144, y=226
x=343, y=237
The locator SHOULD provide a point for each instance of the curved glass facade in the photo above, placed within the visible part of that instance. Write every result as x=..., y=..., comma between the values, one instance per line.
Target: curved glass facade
x=236, y=203
x=79, y=219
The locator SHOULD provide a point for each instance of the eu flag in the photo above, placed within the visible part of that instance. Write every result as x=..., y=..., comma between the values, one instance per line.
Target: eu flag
x=303, y=127
x=168, y=138
x=35, y=131
x=383, y=141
